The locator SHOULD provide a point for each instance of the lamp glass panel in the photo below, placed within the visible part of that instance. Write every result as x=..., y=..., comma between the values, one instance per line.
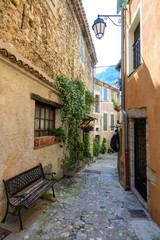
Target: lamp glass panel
x=95, y=29
x=98, y=28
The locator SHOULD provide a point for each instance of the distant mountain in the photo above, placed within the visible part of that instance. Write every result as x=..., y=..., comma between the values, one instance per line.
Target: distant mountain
x=109, y=75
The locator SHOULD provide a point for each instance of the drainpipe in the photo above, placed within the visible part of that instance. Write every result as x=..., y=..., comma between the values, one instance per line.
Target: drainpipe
x=127, y=187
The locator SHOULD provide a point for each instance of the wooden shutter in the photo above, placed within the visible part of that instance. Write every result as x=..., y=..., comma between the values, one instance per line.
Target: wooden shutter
x=112, y=121
x=121, y=4
x=104, y=121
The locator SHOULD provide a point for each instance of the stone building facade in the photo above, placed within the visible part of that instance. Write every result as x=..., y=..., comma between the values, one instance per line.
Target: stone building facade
x=38, y=41
x=106, y=116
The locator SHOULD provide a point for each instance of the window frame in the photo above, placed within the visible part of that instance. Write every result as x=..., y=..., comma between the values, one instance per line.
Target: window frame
x=136, y=48
x=112, y=95
x=44, y=118
x=97, y=103
x=105, y=89
x=137, y=19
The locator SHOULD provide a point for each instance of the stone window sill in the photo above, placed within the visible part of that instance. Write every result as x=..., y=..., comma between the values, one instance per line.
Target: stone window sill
x=40, y=142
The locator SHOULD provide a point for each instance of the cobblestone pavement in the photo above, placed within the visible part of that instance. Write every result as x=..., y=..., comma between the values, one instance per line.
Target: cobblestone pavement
x=91, y=206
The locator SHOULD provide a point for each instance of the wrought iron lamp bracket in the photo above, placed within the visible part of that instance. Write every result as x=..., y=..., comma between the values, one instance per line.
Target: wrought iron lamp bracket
x=110, y=18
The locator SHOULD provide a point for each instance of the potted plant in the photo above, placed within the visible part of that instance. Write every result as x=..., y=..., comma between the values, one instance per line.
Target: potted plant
x=87, y=127
x=59, y=133
x=116, y=105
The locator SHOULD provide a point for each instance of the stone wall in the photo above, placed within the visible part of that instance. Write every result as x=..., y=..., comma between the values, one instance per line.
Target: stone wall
x=49, y=37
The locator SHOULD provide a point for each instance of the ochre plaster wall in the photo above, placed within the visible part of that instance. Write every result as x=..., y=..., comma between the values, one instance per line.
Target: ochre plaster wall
x=17, y=112
x=143, y=86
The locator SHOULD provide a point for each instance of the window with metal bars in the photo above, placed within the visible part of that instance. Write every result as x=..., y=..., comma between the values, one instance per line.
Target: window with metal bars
x=44, y=119
x=136, y=48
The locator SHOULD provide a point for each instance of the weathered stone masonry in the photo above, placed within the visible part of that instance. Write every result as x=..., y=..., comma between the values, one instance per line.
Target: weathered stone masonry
x=50, y=35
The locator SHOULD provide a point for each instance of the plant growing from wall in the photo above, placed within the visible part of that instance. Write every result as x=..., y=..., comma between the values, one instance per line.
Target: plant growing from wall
x=89, y=101
x=86, y=148
x=73, y=112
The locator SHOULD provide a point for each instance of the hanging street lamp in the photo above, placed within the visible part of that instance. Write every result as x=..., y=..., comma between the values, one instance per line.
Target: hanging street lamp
x=99, y=27
x=99, y=24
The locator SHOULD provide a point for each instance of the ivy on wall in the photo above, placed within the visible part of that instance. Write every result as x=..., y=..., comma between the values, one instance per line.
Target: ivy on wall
x=73, y=112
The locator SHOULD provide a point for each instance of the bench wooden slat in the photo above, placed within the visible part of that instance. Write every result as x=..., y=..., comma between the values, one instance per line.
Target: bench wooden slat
x=34, y=193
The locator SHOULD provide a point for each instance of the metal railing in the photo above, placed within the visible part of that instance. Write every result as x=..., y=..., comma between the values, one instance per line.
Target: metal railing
x=136, y=53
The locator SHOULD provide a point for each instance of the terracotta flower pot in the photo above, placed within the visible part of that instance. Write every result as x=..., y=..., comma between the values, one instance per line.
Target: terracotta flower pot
x=118, y=109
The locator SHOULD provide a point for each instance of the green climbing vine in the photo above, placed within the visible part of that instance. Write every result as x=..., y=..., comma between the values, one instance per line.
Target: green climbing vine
x=73, y=112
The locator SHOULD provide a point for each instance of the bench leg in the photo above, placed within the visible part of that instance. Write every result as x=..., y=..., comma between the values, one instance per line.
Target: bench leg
x=20, y=219
x=53, y=192
x=4, y=219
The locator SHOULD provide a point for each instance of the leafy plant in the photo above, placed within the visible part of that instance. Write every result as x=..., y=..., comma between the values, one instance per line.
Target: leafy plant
x=95, y=147
x=110, y=150
x=89, y=101
x=86, y=149
x=115, y=104
x=58, y=132
x=73, y=112
x=103, y=146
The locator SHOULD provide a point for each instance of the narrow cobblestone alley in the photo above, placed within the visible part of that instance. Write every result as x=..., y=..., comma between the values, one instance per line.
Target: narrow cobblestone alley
x=91, y=206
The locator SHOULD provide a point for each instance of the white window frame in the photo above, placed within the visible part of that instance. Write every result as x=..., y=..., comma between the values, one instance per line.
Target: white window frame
x=135, y=21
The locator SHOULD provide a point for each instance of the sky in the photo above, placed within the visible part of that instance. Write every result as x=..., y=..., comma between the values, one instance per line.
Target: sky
x=108, y=49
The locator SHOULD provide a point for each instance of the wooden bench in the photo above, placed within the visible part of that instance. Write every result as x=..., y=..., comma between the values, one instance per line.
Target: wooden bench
x=33, y=183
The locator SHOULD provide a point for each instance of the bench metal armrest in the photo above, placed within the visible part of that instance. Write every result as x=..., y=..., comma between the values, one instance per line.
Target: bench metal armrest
x=53, y=173
x=50, y=174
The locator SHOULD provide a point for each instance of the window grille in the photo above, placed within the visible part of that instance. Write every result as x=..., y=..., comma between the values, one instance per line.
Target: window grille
x=136, y=48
